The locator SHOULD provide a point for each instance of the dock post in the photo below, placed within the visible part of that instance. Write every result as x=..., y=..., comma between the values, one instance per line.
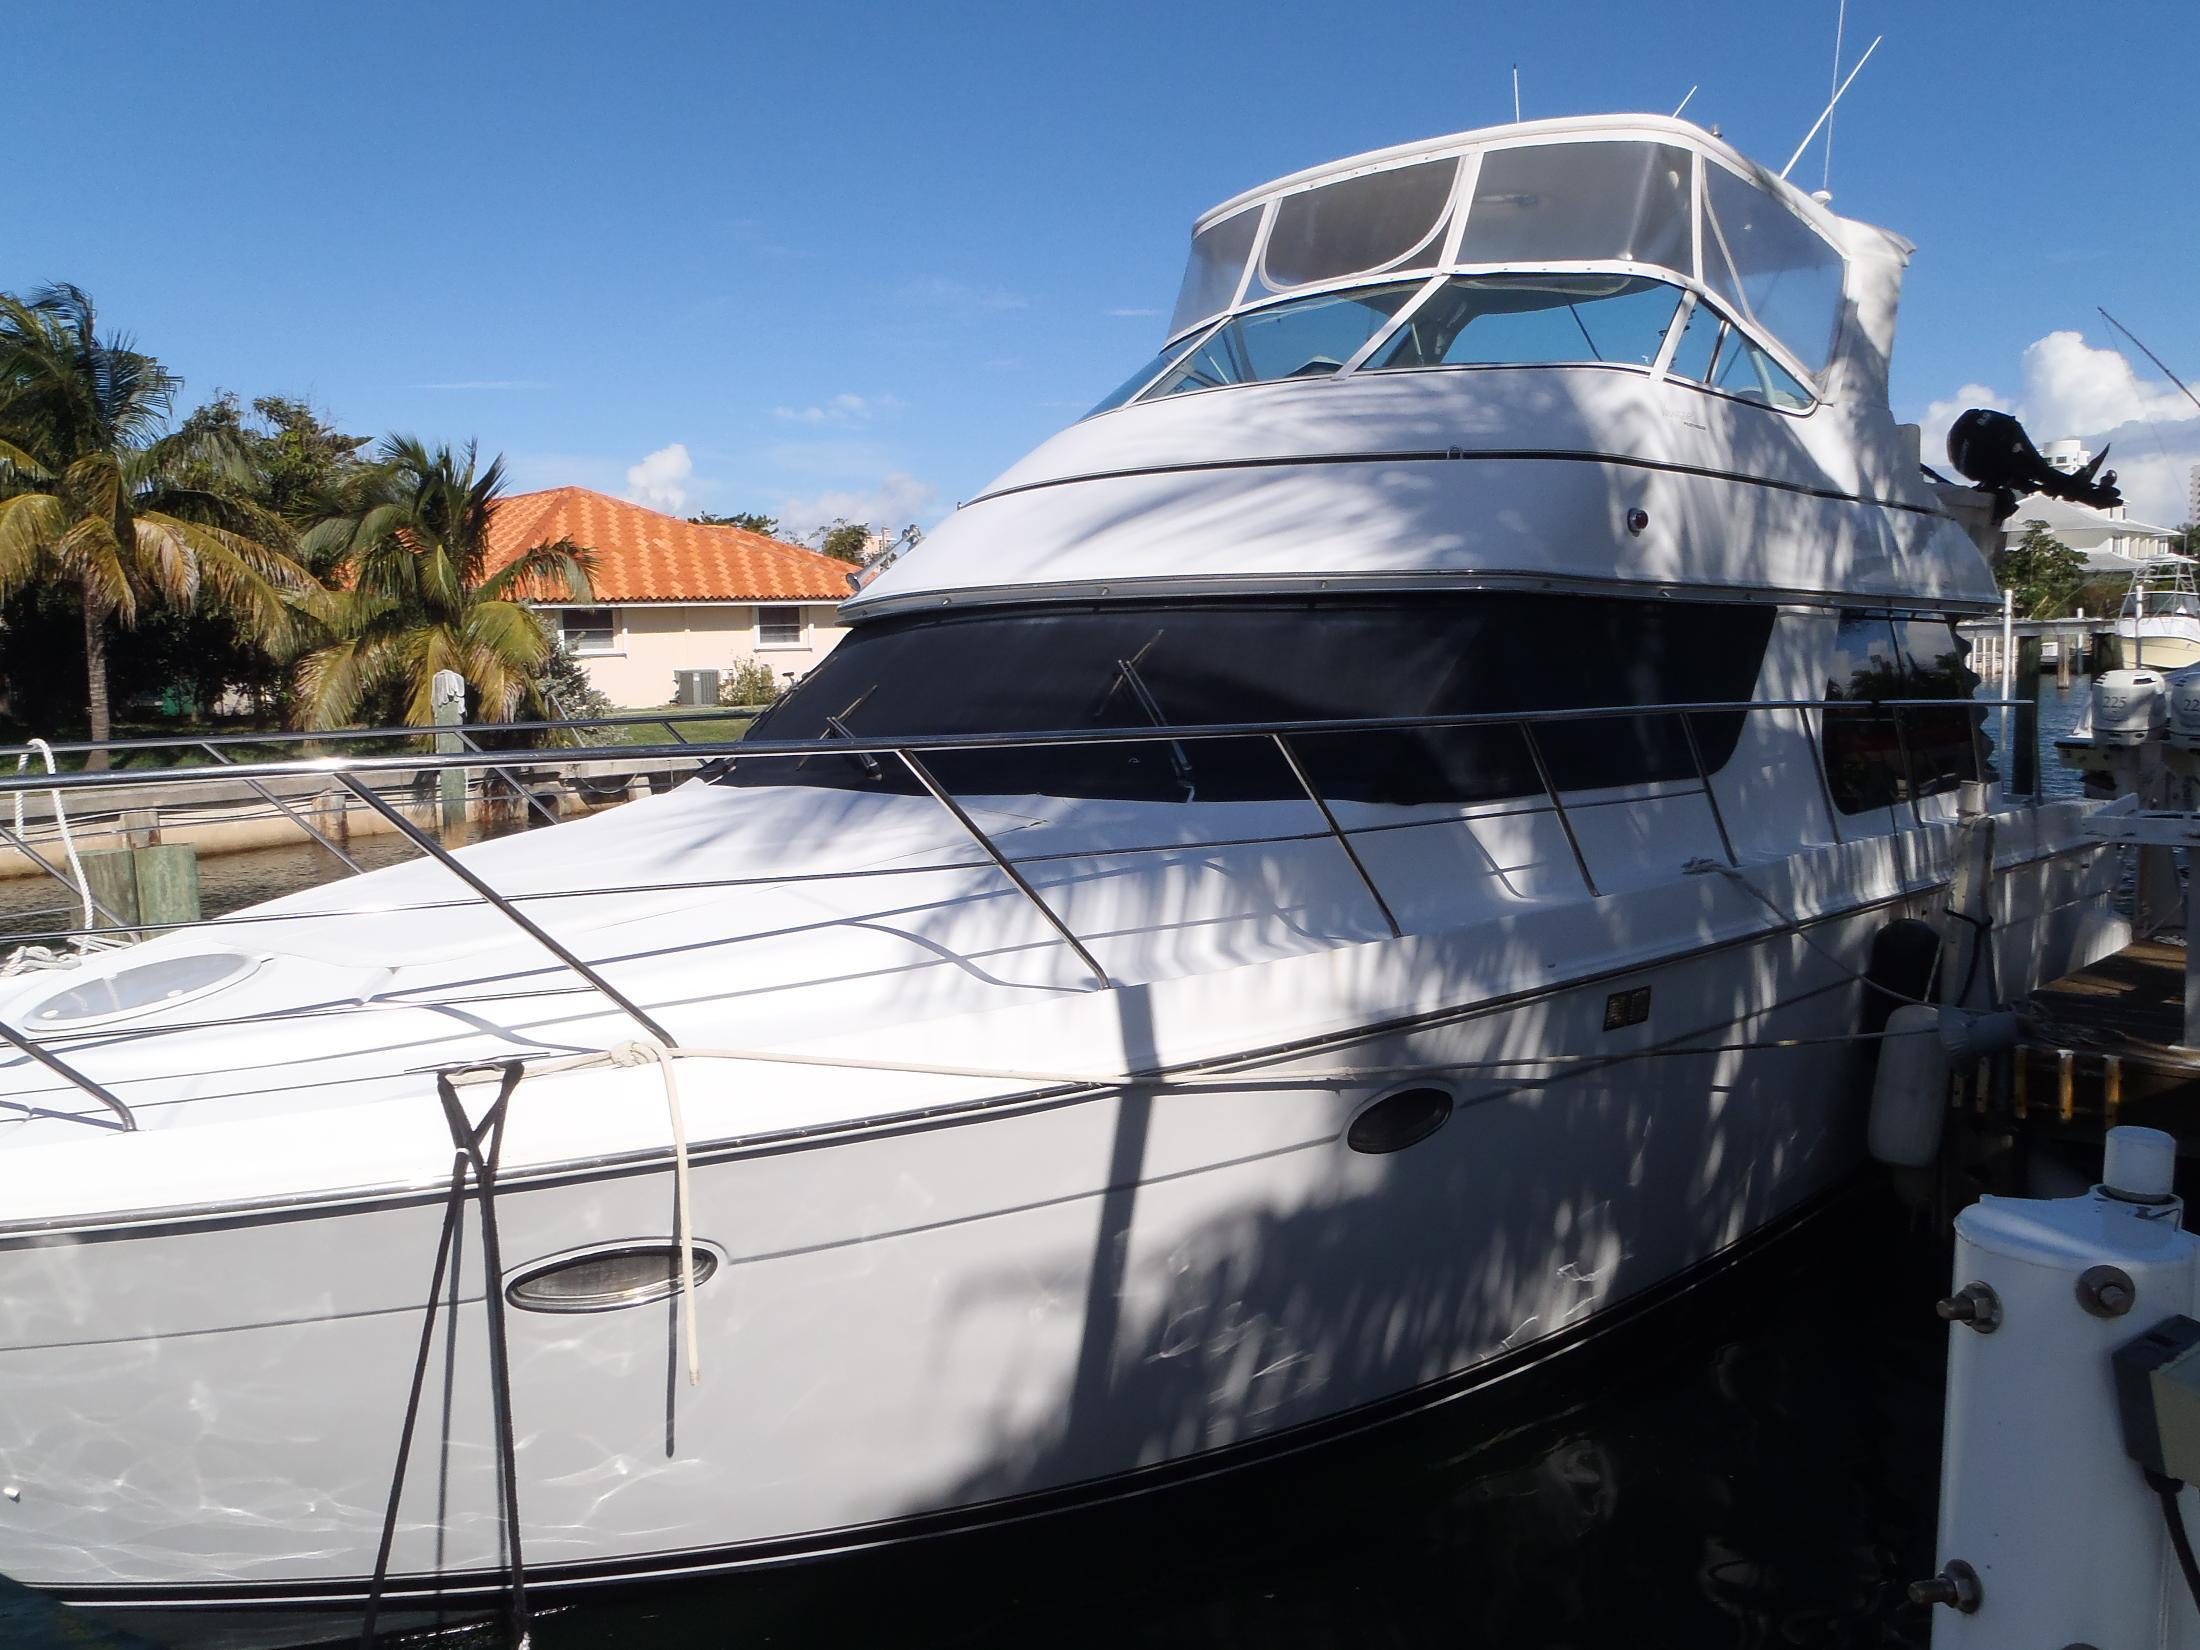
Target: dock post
x=167, y=880
x=2065, y=649
x=2108, y=652
x=113, y=881
x=2024, y=740
x=449, y=694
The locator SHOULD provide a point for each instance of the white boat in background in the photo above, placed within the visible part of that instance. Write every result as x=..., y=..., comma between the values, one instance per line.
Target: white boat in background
x=2159, y=625
x=1347, y=871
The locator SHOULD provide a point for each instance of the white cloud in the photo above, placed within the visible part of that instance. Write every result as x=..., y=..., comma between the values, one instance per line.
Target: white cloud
x=2074, y=390
x=2071, y=388
x=661, y=480
x=898, y=499
x=841, y=409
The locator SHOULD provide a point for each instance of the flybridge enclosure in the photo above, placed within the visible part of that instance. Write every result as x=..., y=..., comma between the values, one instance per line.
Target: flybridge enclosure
x=1635, y=195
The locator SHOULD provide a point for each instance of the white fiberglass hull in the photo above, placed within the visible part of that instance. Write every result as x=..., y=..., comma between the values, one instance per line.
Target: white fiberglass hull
x=2160, y=643
x=942, y=1316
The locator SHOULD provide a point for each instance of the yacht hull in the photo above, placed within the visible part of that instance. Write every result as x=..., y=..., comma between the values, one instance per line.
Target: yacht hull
x=939, y=1322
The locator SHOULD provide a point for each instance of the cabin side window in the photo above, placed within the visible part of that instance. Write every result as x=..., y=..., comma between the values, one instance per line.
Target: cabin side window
x=1877, y=756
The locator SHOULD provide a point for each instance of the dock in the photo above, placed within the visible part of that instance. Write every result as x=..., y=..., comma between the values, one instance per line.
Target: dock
x=2104, y=1046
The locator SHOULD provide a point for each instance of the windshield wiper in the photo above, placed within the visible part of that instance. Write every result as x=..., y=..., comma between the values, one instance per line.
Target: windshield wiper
x=1180, y=764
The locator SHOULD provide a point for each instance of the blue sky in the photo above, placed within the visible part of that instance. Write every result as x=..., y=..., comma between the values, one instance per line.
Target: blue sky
x=842, y=259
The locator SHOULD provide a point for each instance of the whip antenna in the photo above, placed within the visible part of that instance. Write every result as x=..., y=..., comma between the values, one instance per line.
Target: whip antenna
x=1828, y=115
x=2150, y=355
x=1840, y=27
x=1684, y=103
x=1516, y=94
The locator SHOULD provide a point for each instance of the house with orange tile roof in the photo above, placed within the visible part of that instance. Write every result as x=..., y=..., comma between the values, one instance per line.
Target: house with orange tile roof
x=672, y=598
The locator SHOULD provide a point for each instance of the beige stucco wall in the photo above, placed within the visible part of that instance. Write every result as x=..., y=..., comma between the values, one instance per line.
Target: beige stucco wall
x=650, y=642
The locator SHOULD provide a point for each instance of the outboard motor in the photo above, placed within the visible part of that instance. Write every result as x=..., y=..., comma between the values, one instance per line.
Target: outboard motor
x=2182, y=753
x=1991, y=449
x=2130, y=707
x=2118, y=745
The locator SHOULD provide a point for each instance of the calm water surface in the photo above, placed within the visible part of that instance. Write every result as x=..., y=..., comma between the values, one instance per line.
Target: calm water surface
x=1757, y=1468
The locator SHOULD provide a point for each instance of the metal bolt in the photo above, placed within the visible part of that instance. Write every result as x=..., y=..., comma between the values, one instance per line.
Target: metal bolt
x=1975, y=1304
x=1956, y=1586
x=2106, y=1291
x=1637, y=520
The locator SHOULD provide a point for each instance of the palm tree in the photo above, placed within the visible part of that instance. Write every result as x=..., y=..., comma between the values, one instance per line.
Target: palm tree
x=417, y=596
x=93, y=495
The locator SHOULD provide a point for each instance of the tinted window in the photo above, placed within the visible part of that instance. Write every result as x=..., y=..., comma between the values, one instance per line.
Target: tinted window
x=1218, y=259
x=1129, y=666
x=1518, y=320
x=1874, y=756
x=1380, y=220
x=1306, y=338
x=1581, y=200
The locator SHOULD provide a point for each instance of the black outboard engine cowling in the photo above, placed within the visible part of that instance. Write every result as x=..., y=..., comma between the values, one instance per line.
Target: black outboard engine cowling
x=1991, y=449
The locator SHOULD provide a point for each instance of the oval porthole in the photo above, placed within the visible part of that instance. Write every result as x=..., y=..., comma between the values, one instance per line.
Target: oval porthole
x=598, y=1280
x=168, y=983
x=1399, y=1120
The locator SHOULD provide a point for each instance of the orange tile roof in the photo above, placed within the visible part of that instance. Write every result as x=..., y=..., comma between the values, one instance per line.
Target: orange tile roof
x=642, y=556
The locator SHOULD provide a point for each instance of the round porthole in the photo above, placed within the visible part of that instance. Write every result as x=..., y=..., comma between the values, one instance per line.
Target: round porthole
x=1399, y=1120
x=600, y=1280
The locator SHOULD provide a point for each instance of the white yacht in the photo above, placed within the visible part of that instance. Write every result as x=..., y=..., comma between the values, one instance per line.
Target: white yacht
x=1347, y=872
x=2159, y=625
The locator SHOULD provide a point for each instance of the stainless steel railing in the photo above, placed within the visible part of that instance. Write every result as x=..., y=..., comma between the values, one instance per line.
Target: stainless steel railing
x=355, y=774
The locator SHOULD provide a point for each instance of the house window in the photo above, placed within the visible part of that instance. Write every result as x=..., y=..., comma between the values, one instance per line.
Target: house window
x=779, y=627
x=587, y=629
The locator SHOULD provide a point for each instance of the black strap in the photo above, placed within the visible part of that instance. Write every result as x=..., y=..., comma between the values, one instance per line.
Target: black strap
x=479, y=1150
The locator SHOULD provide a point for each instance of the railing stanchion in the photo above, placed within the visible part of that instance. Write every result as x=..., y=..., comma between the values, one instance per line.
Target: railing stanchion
x=1703, y=778
x=1909, y=768
x=285, y=809
x=1818, y=767
x=442, y=855
x=1336, y=831
x=938, y=793
x=1550, y=789
x=62, y=1069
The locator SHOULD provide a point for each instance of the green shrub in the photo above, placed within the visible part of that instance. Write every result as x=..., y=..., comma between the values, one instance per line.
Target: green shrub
x=751, y=683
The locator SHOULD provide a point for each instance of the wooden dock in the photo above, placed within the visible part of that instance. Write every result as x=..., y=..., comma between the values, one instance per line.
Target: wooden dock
x=2102, y=1047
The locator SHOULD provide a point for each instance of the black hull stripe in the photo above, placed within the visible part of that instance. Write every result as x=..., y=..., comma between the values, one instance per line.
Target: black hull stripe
x=1446, y=455
x=484, y=1588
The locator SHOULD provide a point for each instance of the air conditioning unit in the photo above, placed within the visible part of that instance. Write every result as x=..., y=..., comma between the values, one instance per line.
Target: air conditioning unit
x=695, y=687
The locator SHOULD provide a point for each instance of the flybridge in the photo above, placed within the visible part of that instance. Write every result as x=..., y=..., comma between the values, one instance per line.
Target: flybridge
x=1637, y=196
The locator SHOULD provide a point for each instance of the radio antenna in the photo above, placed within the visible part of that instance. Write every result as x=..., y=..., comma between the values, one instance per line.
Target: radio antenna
x=2150, y=355
x=1684, y=103
x=1516, y=94
x=1840, y=27
x=1828, y=115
